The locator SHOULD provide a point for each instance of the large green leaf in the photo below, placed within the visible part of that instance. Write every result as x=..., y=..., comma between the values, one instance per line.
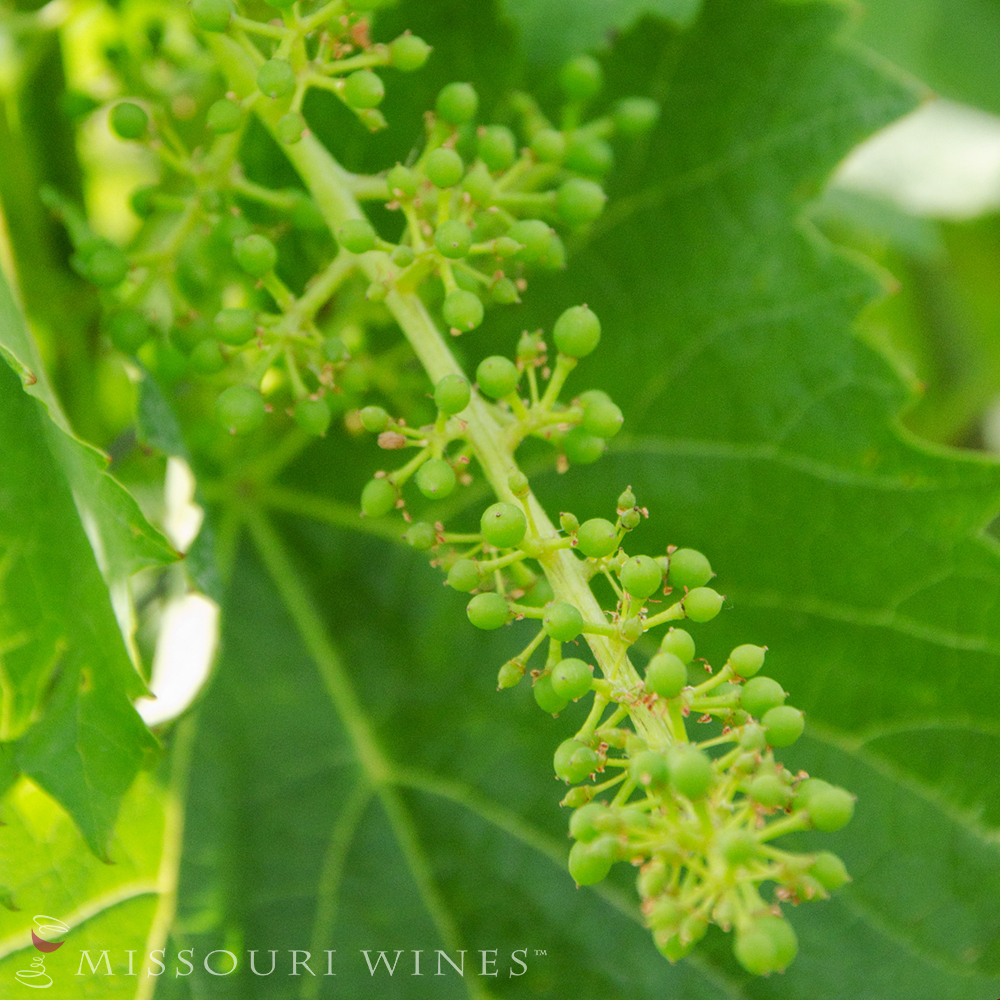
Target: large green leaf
x=68, y=677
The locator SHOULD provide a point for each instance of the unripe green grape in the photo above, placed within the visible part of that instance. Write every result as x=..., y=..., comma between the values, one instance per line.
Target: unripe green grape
x=129, y=330
x=211, y=15
x=581, y=78
x=738, y=846
x=553, y=257
x=580, y=201
x=464, y=576
x=504, y=292
x=403, y=256
x=462, y=310
x=313, y=416
x=760, y=695
x=652, y=880
x=408, y=53
x=290, y=127
x=636, y=115
x=457, y=103
x=746, y=660
x=572, y=678
x=600, y=416
x=691, y=772
x=583, y=822
x=444, y=167
x=503, y=525
x=335, y=350
x=593, y=157
x=702, y=604
x=753, y=737
x=568, y=522
x=453, y=239
x=402, y=181
x=143, y=200
x=680, y=643
x=597, y=537
x=546, y=697
x=357, y=236
x=509, y=675
x=806, y=790
x=497, y=376
x=582, y=448
x=240, y=409
x=534, y=237
x=649, y=769
x=631, y=520
x=129, y=120
x=436, y=479
x=235, y=326
x=574, y=761
x=590, y=862
x=641, y=576
x=276, y=78
x=256, y=255
x=770, y=791
x=374, y=419
x=479, y=184
x=517, y=483
x=421, y=536
x=548, y=145
x=688, y=568
x=224, y=116
x=102, y=263
x=364, y=89
x=829, y=871
x=562, y=621
x=187, y=336
x=452, y=394
x=206, y=358
x=577, y=331
x=767, y=945
x=666, y=675
x=378, y=498
x=830, y=809
x=784, y=725
x=497, y=147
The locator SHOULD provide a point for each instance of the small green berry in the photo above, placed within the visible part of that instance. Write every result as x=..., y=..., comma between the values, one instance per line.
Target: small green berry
x=580, y=201
x=666, y=675
x=436, y=479
x=504, y=292
x=421, y=536
x=464, y=576
x=581, y=78
x=583, y=823
x=563, y=621
x=688, y=568
x=290, y=127
x=374, y=419
x=649, y=768
x=503, y=525
x=102, y=263
x=680, y=643
x=769, y=791
x=636, y=115
x=479, y=184
x=535, y=238
x=691, y=772
x=593, y=157
x=357, y=236
x=753, y=738
x=240, y=409
x=457, y=103
x=364, y=89
x=702, y=604
x=452, y=394
x=546, y=697
x=571, y=678
x=408, y=53
x=444, y=167
x=509, y=675
x=829, y=871
x=403, y=256
x=641, y=576
x=313, y=416
x=335, y=350
x=600, y=415
x=462, y=310
x=577, y=331
x=548, y=145
x=830, y=809
x=402, y=181
x=784, y=725
x=582, y=448
x=378, y=498
x=224, y=116
x=129, y=120
x=767, y=945
x=497, y=147
x=211, y=15
x=497, y=376
x=517, y=483
x=276, y=78
x=806, y=790
x=597, y=538
x=574, y=761
x=738, y=846
x=568, y=522
x=187, y=336
x=589, y=863
x=760, y=695
x=235, y=326
x=746, y=660
x=453, y=239
x=256, y=255
x=129, y=330
x=206, y=358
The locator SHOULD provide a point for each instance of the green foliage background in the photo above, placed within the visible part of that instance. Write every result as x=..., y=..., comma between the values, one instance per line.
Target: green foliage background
x=351, y=778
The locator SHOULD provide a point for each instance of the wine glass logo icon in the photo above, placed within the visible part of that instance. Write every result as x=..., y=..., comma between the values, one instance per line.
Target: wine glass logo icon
x=36, y=977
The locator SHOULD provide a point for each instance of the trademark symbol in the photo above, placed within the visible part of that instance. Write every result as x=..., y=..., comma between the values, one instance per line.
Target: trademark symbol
x=539, y=951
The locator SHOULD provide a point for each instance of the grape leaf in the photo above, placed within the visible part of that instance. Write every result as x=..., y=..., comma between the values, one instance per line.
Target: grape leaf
x=68, y=675
x=359, y=784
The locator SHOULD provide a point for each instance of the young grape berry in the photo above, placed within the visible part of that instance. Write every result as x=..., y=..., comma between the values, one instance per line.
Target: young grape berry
x=276, y=78
x=562, y=621
x=457, y=103
x=572, y=678
x=641, y=576
x=408, y=53
x=378, y=498
x=497, y=376
x=240, y=409
x=453, y=239
x=503, y=525
x=597, y=538
x=577, y=331
x=680, y=643
x=436, y=479
x=462, y=310
x=129, y=120
x=357, y=236
x=545, y=695
x=452, y=394
x=364, y=89
x=444, y=167
x=235, y=326
x=256, y=255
